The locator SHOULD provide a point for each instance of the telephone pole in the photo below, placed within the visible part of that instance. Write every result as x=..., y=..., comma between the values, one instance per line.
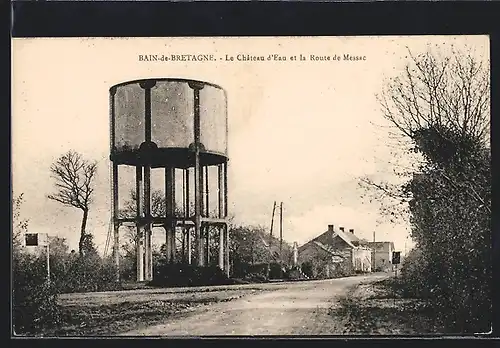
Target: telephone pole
x=272, y=218
x=281, y=231
x=270, y=242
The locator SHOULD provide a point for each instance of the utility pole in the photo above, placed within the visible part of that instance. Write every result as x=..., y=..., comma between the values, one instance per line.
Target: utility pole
x=270, y=242
x=271, y=234
x=272, y=218
x=281, y=231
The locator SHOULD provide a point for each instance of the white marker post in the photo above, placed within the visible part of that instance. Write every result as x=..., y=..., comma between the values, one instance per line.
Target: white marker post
x=48, y=263
x=36, y=240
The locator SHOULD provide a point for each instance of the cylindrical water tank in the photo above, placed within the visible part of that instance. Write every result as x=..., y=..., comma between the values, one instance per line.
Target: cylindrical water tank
x=156, y=122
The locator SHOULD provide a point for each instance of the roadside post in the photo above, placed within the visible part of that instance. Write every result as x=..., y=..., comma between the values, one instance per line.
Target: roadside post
x=39, y=240
x=396, y=259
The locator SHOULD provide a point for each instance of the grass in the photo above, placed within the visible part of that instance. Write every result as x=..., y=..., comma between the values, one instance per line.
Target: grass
x=114, y=314
x=380, y=308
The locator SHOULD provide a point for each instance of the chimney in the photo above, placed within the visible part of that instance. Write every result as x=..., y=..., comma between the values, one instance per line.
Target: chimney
x=351, y=230
x=330, y=228
x=341, y=228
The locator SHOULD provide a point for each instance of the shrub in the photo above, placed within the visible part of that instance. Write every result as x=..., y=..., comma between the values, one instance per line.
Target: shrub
x=307, y=269
x=177, y=274
x=275, y=271
x=256, y=278
x=294, y=273
x=34, y=299
x=87, y=273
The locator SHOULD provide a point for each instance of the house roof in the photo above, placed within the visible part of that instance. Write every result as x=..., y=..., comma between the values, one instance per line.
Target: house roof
x=323, y=247
x=351, y=239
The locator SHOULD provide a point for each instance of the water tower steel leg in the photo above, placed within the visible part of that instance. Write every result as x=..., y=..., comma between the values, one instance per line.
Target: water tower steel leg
x=170, y=212
x=220, y=230
x=116, y=225
x=197, y=214
x=226, y=247
x=207, y=244
x=187, y=213
x=226, y=229
x=147, y=227
x=116, y=229
x=167, y=243
x=188, y=245
x=173, y=243
x=198, y=197
x=183, y=245
x=221, y=215
x=139, y=214
x=207, y=214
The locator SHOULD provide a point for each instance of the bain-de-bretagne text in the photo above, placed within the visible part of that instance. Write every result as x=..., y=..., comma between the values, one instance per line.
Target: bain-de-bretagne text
x=247, y=57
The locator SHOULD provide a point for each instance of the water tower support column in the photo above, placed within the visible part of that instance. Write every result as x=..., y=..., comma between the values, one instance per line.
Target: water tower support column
x=221, y=215
x=139, y=211
x=170, y=212
x=116, y=224
x=147, y=85
x=187, y=214
x=226, y=229
x=147, y=226
x=198, y=188
x=207, y=214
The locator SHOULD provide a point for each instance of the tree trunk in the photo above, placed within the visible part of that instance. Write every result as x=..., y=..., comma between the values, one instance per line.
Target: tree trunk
x=82, y=231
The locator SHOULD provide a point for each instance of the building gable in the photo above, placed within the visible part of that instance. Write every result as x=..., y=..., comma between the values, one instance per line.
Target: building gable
x=312, y=250
x=334, y=239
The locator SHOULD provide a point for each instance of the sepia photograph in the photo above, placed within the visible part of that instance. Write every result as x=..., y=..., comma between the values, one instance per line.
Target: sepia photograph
x=251, y=186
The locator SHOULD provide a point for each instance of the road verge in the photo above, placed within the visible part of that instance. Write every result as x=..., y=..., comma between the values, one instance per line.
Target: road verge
x=378, y=308
x=120, y=312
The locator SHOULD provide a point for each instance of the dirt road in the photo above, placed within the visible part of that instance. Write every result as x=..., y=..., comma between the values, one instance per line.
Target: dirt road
x=292, y=308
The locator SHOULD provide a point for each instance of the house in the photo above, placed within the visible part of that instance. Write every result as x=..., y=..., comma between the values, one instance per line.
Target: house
x=382, y=255
x=335, y=252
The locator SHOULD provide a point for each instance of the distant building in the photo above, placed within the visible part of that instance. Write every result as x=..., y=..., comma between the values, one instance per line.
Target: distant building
x=382, y=255
x=335, y=252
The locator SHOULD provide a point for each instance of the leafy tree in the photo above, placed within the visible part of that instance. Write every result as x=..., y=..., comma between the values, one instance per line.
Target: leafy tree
x=253, y=245
x=58, y=247
x=88, y=246
x=440, y=105
x=74, y=177
x=19, y=225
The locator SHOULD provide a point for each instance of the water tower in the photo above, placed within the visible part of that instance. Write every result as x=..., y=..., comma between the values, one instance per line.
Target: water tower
x=178, y=127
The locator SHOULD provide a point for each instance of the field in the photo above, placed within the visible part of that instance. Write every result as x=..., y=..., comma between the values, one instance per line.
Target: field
x=113, y=312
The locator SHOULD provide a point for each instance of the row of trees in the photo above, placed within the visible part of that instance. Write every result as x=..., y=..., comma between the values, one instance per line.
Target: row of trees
x=440, y=105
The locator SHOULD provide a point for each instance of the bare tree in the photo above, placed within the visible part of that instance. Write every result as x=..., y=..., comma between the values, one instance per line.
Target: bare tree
x=450, y=92
x=436, y=93
x=74, y=182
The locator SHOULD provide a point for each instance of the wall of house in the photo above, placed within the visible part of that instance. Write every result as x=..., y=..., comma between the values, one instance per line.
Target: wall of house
x=383, y=260
x=362, y=259
x=323, y=264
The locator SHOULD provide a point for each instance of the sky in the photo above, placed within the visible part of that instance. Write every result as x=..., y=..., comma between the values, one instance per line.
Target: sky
x=300, y=132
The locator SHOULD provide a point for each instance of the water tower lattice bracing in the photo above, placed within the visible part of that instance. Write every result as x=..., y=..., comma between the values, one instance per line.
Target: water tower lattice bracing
x=178, y=127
